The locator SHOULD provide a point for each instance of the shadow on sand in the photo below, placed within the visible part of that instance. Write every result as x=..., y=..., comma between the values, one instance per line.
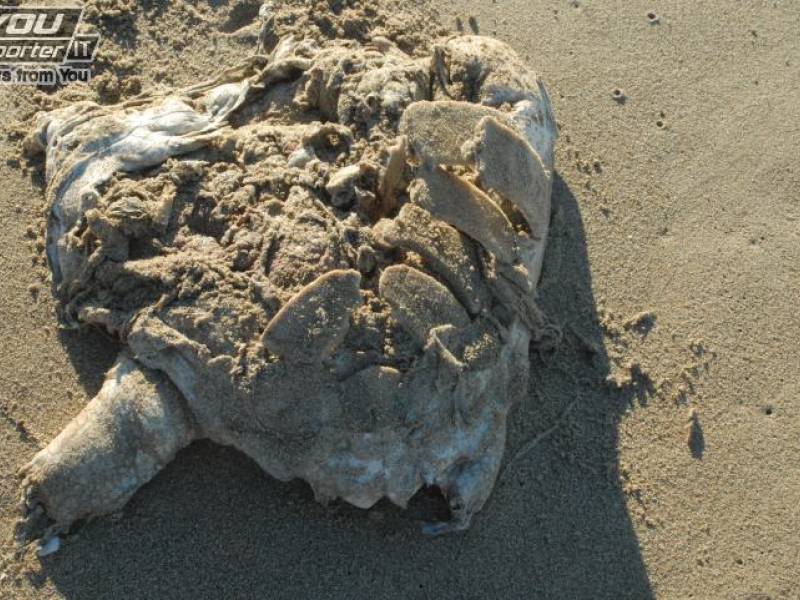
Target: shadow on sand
x=212, y=525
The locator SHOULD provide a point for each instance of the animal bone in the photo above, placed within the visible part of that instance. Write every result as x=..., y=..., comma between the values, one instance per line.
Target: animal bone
x=315, y=321
x=419, y=302
x=454, y=200
x=448, y=253
x=437, y=131
x=508, y=165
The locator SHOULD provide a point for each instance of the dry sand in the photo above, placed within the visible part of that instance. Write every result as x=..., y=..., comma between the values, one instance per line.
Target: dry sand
x=672, y=272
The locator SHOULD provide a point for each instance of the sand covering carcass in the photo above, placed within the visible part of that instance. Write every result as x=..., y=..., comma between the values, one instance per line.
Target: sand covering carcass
x=326, y=257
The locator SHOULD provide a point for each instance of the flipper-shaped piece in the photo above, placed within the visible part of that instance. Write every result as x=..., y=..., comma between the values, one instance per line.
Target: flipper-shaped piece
x=444, y=250
x=316, y=319
x=419, y=302
x=509, y=165
x=119, y=441
x=454, y=200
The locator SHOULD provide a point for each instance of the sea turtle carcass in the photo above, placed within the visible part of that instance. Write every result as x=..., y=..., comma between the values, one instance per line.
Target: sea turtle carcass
x=326, y=257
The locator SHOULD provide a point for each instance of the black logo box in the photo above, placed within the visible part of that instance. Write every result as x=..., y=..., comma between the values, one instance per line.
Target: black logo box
x=20, y=22
x=49, y=51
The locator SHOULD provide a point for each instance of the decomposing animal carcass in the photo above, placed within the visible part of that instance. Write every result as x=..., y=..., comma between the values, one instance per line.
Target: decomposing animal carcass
x=326, y=257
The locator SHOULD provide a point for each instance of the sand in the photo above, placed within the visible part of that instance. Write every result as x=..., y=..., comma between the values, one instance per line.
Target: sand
x=671, y=275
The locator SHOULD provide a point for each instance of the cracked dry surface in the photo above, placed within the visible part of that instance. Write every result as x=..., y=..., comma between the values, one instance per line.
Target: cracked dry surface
x=326, y=257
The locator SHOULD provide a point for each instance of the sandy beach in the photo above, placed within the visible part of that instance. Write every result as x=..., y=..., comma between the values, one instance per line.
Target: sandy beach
x=656, y=454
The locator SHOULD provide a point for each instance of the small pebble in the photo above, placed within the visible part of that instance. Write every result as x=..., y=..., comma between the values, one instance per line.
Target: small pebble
x=619, y=96
x=301, y=157
x=366, y=260
x=50, y=547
